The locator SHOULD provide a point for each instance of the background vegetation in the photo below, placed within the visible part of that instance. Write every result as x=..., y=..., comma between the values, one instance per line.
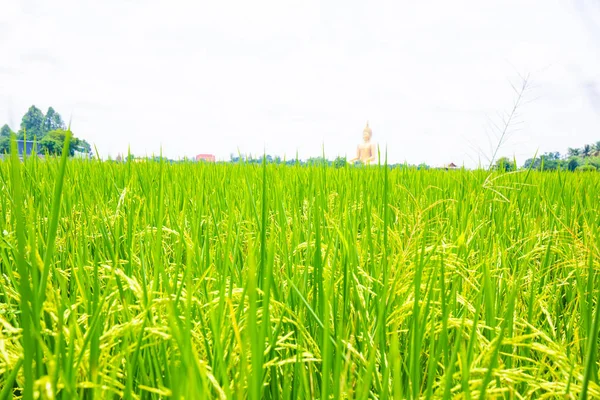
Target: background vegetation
x=48, y=131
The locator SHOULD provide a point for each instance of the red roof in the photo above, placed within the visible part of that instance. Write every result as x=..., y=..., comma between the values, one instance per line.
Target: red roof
x=205, y=157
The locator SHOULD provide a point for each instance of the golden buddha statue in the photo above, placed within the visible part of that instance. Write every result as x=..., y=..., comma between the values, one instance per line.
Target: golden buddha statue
x=365, y=152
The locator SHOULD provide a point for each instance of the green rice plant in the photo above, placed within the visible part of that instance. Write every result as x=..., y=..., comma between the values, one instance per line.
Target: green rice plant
x=154, y=280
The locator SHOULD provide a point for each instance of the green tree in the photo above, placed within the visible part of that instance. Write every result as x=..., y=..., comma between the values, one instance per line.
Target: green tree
x=531, y=163
x=58, y=122
x=5, y=131
x=595, y=161
x=48, y=120
x=339, y=162
x=547, y=162
x=81, y=145
x=505, y=164
x=32, y=124
x=53, y=121
x=587, y=150
x=4, y=145
x=53, y=143
x=573, y=164
x=586, y=168
x=597, y=149
x=49, y=130
x=571, y=152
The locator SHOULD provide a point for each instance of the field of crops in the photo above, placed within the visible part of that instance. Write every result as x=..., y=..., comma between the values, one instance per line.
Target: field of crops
x=155, y=280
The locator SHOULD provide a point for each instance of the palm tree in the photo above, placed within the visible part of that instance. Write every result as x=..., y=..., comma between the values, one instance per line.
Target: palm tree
x=587, y=150
x=597, y=149
x=573, y=152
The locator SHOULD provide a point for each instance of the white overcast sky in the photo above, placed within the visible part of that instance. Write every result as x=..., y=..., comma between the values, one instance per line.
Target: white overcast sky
x=432, y=77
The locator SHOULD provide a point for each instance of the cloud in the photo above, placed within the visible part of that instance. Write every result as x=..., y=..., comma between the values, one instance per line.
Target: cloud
x=39, y=57
x=8, y=71
x=592, y=90
x=293, y=75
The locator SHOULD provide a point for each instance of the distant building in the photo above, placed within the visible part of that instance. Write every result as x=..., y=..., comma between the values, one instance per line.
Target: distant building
x=24, y=148
x=83, y=155
x=206, y=157
x=448, y=166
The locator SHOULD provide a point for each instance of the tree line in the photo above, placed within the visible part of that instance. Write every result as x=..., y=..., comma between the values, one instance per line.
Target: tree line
x=586, y=158
x=47, y=130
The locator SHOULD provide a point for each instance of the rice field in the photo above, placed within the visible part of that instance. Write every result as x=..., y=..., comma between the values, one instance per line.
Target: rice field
x=189, y=281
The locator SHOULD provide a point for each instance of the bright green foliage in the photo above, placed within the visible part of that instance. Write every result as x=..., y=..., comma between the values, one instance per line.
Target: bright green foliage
x=53, y=142
x=546, y=162
x=47, y=130
x=53, y=121
x=505, y=164
x=154, y=280
x=4, y=145
x=340, y=162
x=586, y=167
x=573, y=163
x=32, y=124
x=588, y=154
x=5, y=131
